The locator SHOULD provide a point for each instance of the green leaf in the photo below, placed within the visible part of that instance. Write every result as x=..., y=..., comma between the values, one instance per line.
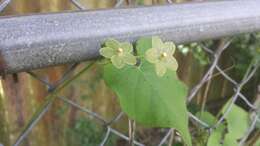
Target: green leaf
x=207, y=118
x=237, y=120
x=257, y=143
x=139, y=2
x=214, y=139
x=230, y=140
x=150, y=100
x=237, y=124
x=216, y=136
x=258, y=114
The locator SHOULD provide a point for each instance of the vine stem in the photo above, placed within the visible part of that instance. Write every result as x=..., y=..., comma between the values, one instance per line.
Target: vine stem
x=132, y=127
x=172, y=137
x=205, y=95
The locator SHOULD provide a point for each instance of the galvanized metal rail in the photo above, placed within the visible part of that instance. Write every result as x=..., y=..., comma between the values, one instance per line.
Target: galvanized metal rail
x=37, y=41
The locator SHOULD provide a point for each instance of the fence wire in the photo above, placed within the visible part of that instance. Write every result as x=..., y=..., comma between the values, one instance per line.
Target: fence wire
x=69, y=75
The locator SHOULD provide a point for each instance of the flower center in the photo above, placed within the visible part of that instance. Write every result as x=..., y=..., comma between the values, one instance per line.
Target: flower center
x=120, y=50
x=163, y=55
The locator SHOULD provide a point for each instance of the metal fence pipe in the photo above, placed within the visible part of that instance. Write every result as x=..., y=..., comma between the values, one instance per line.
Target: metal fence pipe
x=37, y=41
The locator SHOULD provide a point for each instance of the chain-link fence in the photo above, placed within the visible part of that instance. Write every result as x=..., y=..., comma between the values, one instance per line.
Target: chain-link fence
x=70, y=75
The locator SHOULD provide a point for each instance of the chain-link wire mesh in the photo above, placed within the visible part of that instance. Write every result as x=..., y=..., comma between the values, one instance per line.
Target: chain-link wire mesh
x=70, y=75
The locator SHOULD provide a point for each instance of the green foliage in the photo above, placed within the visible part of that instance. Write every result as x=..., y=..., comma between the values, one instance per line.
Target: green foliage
x=245, y=49
x=202, y=135
x=207, y=118
x=86, y=133
x=197, y=51
x=148, y=88
x=139, y=2
x=175, y=144
x=257, y=143
x=238, y=121
x=216, y=137
x=237, y=124
x=258, y=114
x=233, y=128
x=147, y=98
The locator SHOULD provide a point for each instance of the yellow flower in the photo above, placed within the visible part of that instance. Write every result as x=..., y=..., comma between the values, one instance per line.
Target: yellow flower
x=161, y=54
x=119, y=53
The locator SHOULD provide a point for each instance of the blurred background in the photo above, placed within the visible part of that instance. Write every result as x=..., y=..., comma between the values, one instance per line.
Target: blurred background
x=21, y=94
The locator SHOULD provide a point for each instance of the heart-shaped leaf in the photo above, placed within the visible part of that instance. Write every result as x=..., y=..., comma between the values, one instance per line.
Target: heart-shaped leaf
x=206, y=117
x=150, y=100
x=237, y=120
x=237, y=124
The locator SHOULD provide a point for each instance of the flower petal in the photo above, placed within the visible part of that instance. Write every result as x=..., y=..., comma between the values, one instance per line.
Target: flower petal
x=127, y=47
x=117, y=61
x=112, y=43
x=170, y=47
x=157, y=43
x=172, y=64
x=160, y=69
x=129, y=59
x=152, y=55
x=107, y=52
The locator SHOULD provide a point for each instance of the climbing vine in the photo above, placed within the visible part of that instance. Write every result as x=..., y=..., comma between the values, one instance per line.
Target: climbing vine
x=143, y=76
x=145, y=81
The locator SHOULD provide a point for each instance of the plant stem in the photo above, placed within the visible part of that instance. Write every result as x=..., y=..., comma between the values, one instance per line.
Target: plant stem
x=131, y=132
x=171, y=141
